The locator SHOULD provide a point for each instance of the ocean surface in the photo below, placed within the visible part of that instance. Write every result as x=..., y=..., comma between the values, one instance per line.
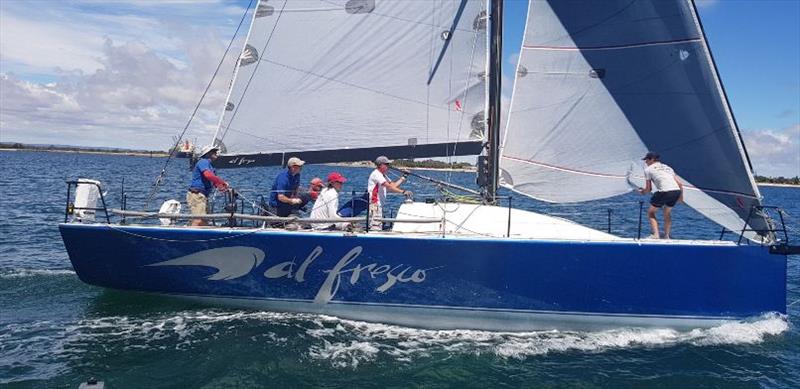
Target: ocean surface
x=56, y=331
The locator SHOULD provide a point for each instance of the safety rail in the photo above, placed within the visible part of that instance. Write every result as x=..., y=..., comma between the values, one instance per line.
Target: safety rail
x=71, y=208
x=269, y=219
x=780, y=247
x=772, y=230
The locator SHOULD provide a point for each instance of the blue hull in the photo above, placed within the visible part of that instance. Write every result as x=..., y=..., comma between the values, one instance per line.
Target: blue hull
x=436, y=282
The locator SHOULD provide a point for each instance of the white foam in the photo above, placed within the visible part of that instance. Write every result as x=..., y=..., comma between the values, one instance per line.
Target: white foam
x=742, y=332
x=345, y=354
x=23, y=273
x=406, y=343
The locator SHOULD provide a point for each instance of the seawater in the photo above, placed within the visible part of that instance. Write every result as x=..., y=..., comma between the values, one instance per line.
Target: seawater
x=56, y=331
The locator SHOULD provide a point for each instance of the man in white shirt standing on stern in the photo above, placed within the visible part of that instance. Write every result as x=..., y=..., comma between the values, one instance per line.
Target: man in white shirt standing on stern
x=327, y=204
x=377, y=186
x=669, y=191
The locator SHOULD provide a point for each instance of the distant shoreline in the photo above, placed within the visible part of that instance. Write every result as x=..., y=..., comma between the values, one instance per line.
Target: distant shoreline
x=778, y=185
x=363, y=164
x=132, y=153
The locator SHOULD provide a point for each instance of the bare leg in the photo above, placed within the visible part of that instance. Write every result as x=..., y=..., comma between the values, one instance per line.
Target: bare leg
x=667, y=222
x=651, y=215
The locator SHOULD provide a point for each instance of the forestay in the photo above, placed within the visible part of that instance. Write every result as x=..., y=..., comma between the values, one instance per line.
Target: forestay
x=599, y=83
x=316, y=77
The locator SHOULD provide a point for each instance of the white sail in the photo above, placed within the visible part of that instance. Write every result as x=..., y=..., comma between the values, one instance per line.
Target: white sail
x=338, y=74
x=599, y=83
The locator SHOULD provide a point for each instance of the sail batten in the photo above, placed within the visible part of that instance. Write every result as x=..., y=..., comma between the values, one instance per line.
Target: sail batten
x=601, y=83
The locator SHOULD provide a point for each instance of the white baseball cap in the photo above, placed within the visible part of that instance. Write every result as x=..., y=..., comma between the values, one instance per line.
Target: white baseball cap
x=382, y=160
x=294, y=161
x=207, y=149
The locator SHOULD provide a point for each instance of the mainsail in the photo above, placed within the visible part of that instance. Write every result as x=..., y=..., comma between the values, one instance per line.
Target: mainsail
x=599, y=83
x=347, y=80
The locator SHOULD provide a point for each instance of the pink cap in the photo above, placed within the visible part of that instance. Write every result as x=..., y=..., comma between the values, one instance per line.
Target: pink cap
x=336, y=177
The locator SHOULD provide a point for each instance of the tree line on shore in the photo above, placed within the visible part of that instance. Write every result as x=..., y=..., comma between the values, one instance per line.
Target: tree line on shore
x=778, y=180
x=432, y=164
x=77, y=149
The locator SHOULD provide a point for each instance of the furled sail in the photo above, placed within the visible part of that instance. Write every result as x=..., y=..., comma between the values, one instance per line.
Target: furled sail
x=599, y=83
x=347, y=80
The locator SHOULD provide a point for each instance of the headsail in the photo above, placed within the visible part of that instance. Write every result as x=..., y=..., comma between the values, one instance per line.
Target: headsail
x=599, y=83
x=318, y=77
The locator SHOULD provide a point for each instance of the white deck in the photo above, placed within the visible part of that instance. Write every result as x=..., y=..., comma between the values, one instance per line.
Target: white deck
x=493, y=221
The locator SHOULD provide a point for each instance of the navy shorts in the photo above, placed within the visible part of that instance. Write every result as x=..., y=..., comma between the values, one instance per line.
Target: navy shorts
x=669, y=199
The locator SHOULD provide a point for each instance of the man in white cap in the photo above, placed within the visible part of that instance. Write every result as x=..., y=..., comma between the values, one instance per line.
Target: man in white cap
x=377, y=186
x=284, y=196
x=204, y=179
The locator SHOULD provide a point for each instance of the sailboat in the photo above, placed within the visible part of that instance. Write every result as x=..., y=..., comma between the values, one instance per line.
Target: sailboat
x=598, y=84
x=183, y=148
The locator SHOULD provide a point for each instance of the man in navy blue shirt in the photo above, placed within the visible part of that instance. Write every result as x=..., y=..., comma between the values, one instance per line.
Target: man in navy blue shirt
x=204, y=179
x=284, y=196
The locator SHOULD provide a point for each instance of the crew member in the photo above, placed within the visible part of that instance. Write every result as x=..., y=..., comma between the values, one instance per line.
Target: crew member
x=284, y=197
x=204, y=179
x=669, y=191
x=327, y=204
x=377, y=186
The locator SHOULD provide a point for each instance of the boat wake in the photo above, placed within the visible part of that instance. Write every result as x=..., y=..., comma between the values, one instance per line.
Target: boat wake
x=347, y=343
x=46, y=346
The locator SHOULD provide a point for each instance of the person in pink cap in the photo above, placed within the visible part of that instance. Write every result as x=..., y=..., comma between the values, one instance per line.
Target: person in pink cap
x=327, y=203
x=315, y=187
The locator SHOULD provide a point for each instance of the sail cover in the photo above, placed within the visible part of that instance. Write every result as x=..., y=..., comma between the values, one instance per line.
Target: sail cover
x=345, y=80
x=600, y=83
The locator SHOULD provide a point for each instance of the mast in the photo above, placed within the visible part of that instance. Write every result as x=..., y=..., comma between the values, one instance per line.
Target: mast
x=495, y=81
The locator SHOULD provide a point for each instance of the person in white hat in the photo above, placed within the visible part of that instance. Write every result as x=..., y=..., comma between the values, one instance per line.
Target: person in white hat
x=204, y=179
x=284, y=196
x=377, y=186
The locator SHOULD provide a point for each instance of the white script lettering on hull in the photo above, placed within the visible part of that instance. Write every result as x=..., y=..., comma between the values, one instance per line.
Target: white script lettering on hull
x=399, y=273
x=230, y=262
x=235, y=262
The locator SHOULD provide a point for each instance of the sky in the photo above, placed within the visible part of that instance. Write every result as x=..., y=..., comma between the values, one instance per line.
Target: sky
x=128, y=73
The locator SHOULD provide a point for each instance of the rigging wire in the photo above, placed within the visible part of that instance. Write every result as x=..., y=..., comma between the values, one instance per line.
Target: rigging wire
x=160, y=179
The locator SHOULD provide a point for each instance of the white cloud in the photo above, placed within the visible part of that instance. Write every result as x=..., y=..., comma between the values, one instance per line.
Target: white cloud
x=774, y=152
x=135, y=99
x=126, y=75
x=69, y=36
x=43, y=47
